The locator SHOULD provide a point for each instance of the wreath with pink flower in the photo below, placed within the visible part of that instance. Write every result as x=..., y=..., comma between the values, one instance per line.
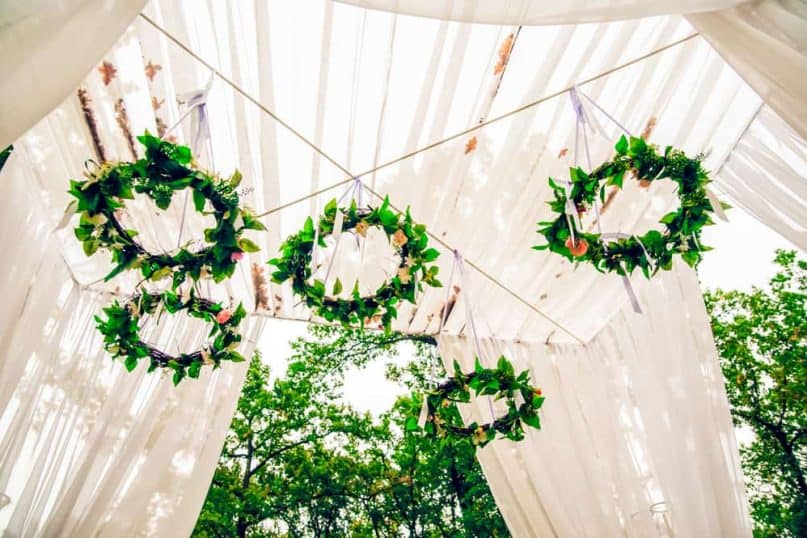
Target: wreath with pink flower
x=409, y=240
x=165, y=169
x=651, y=251
x=122, y=332
x=440, y=417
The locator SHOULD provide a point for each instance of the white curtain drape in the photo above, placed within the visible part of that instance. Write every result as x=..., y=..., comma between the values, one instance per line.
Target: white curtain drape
x=541, y=11
x=637, y=438
x=766, y=175
x=368, y=87
x=86, y=448
x=766, y=43
x=47, y=47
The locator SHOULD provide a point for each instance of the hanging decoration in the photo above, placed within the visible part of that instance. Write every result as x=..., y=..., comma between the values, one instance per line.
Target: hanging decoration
x=166, y=168
x=651, y=251
x=122, y=332
x=409, y=240
x=439, y=417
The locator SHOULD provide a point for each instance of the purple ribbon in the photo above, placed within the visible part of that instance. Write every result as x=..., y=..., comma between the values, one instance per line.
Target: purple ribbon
x=196, y=102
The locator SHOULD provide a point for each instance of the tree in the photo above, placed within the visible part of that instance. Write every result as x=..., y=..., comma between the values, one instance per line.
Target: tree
x=760, y=336
x=297, y=462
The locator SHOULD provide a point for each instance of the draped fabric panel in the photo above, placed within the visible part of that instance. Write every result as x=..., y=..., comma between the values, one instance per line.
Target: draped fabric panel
x=47, y=48
x=386, y=97
x=636, y=438
x=541, y=11
x=766, y=43
x=86, y=448
x=766, y=175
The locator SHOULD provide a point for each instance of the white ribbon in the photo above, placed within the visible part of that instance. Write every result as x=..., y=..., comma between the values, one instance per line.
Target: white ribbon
x=338, y=224
x=469, y=314
x=424, y=412
x=625, y=279
x=69, y=211
x=715, y=203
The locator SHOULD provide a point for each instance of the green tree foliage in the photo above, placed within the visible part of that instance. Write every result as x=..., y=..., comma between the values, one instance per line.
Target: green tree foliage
x=298, y=462
x=761, y=339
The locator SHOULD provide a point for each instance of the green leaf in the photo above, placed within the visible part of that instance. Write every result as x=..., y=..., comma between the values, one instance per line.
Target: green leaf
x=247, y=245
x=622, y=145
x=431, y=254
x=194, y=369
x=337, y=287
x=236, y=178
x=637, y=146
x=199, y=201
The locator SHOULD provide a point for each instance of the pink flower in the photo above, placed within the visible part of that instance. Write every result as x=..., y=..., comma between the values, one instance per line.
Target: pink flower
x=223, y=316
x=236, y=256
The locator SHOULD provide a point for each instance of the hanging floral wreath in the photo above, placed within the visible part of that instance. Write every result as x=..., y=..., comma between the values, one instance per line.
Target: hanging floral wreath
x=165, y=169
x=409, y=240
x=122, y=333
x=440, y=418
x=652, y=251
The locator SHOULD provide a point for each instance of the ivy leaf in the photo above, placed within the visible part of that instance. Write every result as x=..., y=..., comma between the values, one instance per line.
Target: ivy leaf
x=247, y=245
x=199, y=201
x=622, y=145
x=431, y=255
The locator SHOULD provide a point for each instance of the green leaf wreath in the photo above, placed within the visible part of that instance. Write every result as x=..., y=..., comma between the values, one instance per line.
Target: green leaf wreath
x=652, y=251
x=166, y=168
x=409, y=240
x=442, y=420
x=122, y=333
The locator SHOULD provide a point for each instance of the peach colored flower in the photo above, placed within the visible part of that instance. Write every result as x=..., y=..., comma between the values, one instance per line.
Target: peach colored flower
x=399, y=239
x=480, y=436
x=361, y=228
x=537, y=391
x=403, y=275
x=223, y=316
x=236, y=256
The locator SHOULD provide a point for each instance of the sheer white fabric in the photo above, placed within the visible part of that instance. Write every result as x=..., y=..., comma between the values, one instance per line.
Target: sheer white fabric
x=48, y=46
x=636, y=418
x=367, y=87
x=766, y=175
x=86, y=448
x=766, y=43
x=540, y=11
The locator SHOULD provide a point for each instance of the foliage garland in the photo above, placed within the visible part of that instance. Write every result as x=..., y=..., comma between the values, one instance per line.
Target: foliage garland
x=409, y=240
x=652, y=251
x=165, y=168
x=122, y=333
x=500, y=383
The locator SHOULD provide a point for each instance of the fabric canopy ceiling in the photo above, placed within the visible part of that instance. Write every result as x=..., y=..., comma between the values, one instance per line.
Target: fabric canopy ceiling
x=463, y=123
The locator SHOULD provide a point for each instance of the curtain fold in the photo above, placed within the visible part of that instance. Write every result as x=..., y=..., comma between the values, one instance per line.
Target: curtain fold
x=637, y=437
x=766, y=43
x=48, y=46
x=87, y=448
x=530, y=12
x=766, y=175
